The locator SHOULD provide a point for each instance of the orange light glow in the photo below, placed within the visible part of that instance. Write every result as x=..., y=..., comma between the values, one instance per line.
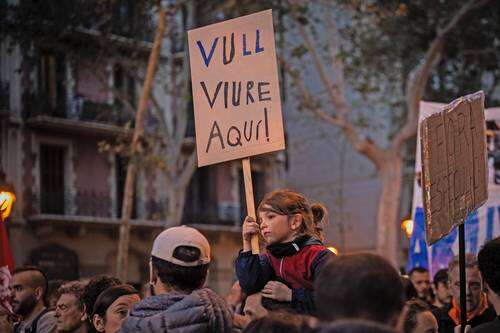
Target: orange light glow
x=333, y=249
x=7, y=200
x=407, y=226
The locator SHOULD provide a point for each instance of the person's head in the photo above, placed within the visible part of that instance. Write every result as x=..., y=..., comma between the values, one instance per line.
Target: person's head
x=286, y=214
x=112, y=306
x=361, y=285
x=440, y=284
x=279, y=323
x=94, y=288
x=253, y=307
x=70, y=309
x=419, y=318
x=409, y=290
x=354, y=326
x=52, y=294
x=474, y=284
x=488, y=260
x=28, y=288
x=419, y=276
x=180, y=258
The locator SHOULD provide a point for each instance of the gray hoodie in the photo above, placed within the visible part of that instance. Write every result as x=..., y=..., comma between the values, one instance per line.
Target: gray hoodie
x=201, y=311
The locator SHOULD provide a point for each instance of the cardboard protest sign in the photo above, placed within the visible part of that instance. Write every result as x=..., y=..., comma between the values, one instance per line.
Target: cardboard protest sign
x=236, y=95
x=454, y=164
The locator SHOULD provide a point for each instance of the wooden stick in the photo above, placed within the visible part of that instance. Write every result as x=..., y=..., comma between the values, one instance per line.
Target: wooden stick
x=247, y=176
x=463, y=290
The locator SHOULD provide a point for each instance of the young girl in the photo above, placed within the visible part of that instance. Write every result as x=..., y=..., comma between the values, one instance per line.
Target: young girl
x=292, y=230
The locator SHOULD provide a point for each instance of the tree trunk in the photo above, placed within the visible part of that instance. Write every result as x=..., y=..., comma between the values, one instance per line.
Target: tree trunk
x=176, y=201
x=124, y=241
x=390, y=175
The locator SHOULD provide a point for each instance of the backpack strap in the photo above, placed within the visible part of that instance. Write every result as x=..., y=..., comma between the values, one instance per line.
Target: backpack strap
x=34, y=324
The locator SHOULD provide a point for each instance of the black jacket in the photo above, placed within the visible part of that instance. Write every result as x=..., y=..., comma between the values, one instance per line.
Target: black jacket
x=491, y=327
x=447, y=325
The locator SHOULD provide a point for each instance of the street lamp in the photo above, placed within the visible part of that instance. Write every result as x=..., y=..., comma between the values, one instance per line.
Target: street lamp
x=7, y=198
x=407, y=226
x=333, y=249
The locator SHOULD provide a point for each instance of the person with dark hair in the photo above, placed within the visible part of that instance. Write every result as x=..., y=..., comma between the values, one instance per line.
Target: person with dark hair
x=359, y=286
x=292, y=229
x=53, y=293
x=180, y=258
x=419, y=318
x=488, y=260
x=93, y=289
x=409, y=290
x=354, y=326
x=112, y=306
x=70, y=310
x=420, y=278
x=478, y=310
x=441, y=289
x=281, y=322
x=28, y=289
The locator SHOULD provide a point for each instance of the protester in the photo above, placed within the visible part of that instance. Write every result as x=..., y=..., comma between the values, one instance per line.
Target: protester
x=279, y=323
x=53, y=293
x=254, y=309
x=354, y=326
x=292, y=230
x=478, y=311
x=359, y=286
x=180, y=259
x=441, y=289
x=93, y=289
x=70, y=309
x=420, y=278
x=489, y=265
x=28, y=289
x=409, y=290
x=419, y=318
x=112, y=306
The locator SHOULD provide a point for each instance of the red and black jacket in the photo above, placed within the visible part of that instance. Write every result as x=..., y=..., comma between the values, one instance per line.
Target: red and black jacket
x=296, y=264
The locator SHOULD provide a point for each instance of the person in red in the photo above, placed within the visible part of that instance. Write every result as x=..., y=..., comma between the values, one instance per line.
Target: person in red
x=293, y=233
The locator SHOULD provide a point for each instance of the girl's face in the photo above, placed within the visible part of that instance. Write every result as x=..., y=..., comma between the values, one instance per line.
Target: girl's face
x=117, y=312
x=276, y=228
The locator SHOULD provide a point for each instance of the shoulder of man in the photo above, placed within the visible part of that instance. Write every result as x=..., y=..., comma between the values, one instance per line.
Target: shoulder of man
x=490, y=327
x=45, y=323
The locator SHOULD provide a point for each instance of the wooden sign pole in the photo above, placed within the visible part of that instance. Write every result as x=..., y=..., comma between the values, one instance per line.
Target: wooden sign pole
x=461, y=264
x=247, y=176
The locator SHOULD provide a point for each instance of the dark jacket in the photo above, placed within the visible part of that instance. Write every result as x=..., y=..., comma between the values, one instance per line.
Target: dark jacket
x=201, y=311
x=447, y=325
x=491, y=327
x=297, y=271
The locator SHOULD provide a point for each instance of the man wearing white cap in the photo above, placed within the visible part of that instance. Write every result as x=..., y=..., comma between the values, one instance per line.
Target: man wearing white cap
x=178, y=268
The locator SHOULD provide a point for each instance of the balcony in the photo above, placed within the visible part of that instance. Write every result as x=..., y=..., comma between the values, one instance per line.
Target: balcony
x=78, y=115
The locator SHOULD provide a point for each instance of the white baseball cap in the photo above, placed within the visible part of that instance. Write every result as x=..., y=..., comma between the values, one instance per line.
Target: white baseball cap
x=169, y=240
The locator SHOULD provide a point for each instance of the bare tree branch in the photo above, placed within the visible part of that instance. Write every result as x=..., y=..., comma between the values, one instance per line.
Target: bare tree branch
x=419, y=76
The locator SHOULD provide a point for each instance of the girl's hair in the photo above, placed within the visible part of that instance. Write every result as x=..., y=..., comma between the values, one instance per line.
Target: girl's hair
x=288, y=202
x=108, y=296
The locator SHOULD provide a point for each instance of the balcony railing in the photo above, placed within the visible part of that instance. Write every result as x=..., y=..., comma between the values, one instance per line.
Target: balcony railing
x=78, y=108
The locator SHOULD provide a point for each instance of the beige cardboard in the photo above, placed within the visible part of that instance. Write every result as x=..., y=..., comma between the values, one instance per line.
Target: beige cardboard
x=454, y=164
x=250, y=128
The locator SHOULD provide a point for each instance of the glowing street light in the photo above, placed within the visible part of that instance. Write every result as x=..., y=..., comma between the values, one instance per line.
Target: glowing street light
x=334, y=250
x=407, y=226
x=7, y=198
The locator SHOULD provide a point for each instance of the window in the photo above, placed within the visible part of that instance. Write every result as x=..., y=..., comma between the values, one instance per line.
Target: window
x=201, y=202
x=52, y=162
x=52, y=90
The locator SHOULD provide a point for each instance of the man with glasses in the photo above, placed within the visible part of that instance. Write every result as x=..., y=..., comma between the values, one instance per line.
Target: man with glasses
x=70, y=310
x=478, y=311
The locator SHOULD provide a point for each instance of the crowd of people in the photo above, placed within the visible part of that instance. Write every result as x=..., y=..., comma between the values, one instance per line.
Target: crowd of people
x=296, y=285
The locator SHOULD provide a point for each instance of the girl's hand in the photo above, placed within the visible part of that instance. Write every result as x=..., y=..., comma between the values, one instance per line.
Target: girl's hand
x=250, y=228
x=277, y=291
